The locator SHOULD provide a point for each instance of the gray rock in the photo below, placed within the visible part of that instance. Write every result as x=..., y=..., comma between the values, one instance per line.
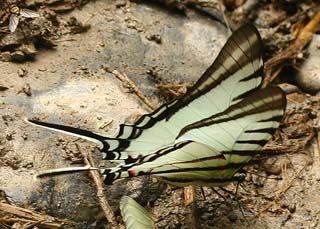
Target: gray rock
x=308, y=75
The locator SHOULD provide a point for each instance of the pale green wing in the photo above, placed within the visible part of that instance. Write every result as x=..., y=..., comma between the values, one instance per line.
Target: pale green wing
x=236, y=73
x=210, y=152
x=134, y=215
x=182, y=164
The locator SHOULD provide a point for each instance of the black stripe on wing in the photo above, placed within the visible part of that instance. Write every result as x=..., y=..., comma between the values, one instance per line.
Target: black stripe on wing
x=184, y=159
x=203, y=85
x=209, y=182
x=103, y=142
x=277, y=101
x=164, y=152
x=243, y=48
x=110, y=176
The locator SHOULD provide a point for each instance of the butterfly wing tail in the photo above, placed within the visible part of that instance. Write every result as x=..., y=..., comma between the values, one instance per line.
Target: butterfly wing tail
x=77, y=132
x=112, y=175
x=110, y=147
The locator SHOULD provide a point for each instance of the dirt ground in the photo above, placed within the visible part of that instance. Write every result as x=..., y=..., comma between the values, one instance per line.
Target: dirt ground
x=60, y=67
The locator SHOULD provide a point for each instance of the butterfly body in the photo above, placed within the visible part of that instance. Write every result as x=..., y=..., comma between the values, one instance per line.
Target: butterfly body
x=205, y=136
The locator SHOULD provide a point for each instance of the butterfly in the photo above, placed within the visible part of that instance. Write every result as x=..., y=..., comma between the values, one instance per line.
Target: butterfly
x=205, y=136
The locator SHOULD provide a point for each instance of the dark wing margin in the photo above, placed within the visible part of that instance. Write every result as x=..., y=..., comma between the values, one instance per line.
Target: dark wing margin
x=246, y=34
x=255, y=104
x=191, y=162
x=103, y=142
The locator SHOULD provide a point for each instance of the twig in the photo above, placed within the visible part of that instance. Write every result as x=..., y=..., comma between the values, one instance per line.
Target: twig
x=275, y=64
x=95, y=175
x=124, y=78
x=173, y=86
x=24, y=216
x=189, y=194
x=32, y=225
x=283, y=190
x=195, y=219
x=173, y=89
x=316, y=155
x=190, y=199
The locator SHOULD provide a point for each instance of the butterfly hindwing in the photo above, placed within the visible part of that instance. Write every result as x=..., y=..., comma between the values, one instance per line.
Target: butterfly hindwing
x=212, y=151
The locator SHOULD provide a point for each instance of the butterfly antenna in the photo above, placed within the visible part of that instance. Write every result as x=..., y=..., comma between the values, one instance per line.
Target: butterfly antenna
x=218, y=193
x=202, y=193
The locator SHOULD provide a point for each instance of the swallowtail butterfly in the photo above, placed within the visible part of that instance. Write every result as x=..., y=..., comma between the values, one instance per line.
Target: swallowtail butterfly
x=205, y=136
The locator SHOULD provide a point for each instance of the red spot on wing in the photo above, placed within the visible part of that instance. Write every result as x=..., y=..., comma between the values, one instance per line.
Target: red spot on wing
x=132, y=173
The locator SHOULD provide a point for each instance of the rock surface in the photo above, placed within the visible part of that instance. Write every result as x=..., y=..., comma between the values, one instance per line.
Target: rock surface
x=308, y=74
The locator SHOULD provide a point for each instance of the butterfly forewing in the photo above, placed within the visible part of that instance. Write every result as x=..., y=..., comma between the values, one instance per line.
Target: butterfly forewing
x=236, y=72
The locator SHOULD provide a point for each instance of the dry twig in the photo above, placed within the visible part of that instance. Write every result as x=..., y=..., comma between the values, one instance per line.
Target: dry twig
x=285, y=187
x=173, y=89
x=28, y=217
x=95, y=175
x=274, y=66
x=133, y=86
x=190, y=198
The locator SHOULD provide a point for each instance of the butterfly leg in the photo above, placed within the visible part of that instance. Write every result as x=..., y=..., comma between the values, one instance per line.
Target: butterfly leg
x=202, y=193
x=219, y=194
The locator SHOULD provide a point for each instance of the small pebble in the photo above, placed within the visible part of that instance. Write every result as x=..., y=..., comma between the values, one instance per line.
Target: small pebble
x=27, y=89
x=22, y=72
x=292, y=207
x=155, y=37
x=42, y=69
x=232, y=216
